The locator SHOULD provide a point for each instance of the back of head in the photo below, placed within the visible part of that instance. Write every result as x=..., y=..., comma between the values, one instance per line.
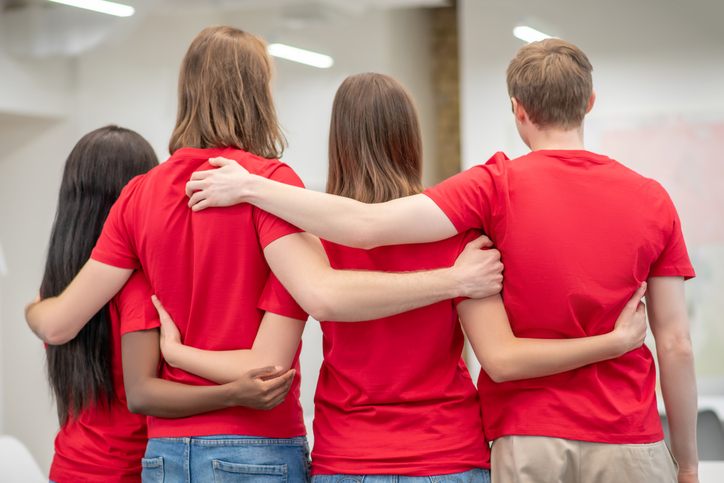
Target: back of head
x=552, y=80
x=375, y=146
x=225, y=95
x=96, y=171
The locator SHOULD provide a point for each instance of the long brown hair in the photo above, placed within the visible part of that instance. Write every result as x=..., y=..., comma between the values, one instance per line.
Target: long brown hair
x=375, y=145
x=224, y=95
x=96, y=171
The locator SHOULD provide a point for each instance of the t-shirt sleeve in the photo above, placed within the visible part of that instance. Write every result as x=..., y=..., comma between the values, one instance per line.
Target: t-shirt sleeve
x=674, y=258
x=268, y=227
x=136, y=310
x=276, y=299
x=470, y=199
x=114, y=246
x=465, y=238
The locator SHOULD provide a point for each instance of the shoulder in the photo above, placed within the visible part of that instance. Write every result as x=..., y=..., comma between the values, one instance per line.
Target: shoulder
x=266, y=168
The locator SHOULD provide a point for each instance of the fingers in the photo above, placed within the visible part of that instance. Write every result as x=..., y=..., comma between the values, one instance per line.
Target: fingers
x=480, y=242
x=201, y=205
x=194, y=185
x=635, y=299
x=201, y=175
x=195, y=198
x=219, y=161
x=159, y=308
x=265, y=372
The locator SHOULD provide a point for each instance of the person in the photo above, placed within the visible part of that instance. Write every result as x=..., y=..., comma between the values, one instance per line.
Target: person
x=394, y=400
x=213, y=271
x=98, y=438
x=578, y=232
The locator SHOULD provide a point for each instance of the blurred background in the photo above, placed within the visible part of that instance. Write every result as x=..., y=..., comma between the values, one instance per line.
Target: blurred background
x=64, y=71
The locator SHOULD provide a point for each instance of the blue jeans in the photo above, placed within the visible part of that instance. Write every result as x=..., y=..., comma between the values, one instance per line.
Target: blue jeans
x=478, y=475
x=225, y=458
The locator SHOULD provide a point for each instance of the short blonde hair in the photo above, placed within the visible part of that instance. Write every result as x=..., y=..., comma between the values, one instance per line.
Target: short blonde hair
x=552, y=80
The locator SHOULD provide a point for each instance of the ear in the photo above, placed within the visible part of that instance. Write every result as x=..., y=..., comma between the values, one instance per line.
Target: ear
x=518, y=110
x=591, y=101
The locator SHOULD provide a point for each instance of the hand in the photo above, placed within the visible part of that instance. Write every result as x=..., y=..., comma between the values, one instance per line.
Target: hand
x=631, y=323
x=480, y=271
x=217, y=187
x=170, y=335
x=261, y=388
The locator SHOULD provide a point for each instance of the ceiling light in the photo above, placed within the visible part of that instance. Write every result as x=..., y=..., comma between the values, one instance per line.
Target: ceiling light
x=300, y=55
x=102, y=6
x=528, y=34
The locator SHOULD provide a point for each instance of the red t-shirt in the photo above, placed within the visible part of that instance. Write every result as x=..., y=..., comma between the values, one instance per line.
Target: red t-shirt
x=578, y=233
x=107, y=444
x=394, y=396
x=208, y=270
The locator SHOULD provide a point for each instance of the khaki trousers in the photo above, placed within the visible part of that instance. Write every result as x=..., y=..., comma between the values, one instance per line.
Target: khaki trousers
x=539, y=459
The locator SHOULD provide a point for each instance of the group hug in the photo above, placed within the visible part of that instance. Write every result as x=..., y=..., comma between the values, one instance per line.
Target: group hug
x=175, y=295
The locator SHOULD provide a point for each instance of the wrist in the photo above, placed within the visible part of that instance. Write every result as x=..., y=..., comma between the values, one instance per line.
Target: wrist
x=170, y=354
x=616, y=343
x=450, y=284
x=247, y=191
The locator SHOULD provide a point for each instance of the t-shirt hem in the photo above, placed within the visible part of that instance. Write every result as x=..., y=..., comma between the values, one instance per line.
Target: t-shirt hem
x=172, y=432
x=686, y=272
x=139, y=328
x=377, y=468
x=267, y=240
x=63, y=476
x=446, y=208
x=284, y=311
x=115, y=261
x=581, y=435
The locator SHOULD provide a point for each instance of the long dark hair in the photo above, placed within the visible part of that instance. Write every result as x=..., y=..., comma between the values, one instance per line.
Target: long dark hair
x=96, y=171
x=375, y=145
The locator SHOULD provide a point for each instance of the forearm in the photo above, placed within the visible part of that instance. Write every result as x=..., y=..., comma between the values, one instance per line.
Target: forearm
x=353, y=296
x=414, y=219
x=678, y=388
x=300, y=263
x=217, y=366
x=57, y=320
x=166, y=399
x=506, y=357
x=522, y=358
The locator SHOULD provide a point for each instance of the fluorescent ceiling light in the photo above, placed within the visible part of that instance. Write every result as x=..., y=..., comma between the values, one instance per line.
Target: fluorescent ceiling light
x=111, y=8
x=528, y=34
x=300, y=55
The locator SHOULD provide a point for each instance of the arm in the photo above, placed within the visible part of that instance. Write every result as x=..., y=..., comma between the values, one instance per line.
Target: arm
x=57, y=320
x=276, y=344
x=146, y=394
x=413, y=219
x=506, y=357
x=670, y=326
x=301, y=265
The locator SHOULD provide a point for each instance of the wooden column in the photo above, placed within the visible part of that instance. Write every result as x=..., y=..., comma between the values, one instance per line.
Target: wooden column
x=446, y=84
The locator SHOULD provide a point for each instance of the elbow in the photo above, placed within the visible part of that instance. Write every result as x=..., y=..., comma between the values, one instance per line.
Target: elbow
x=56, y=337
x=678, y=348
x=499, y=371
x=136, y=404
x=316, y=304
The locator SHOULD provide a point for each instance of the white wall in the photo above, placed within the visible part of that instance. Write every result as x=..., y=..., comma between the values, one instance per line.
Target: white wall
x=133, y=84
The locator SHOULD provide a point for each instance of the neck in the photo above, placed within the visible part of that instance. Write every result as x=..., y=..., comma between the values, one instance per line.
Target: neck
x=556, y=138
